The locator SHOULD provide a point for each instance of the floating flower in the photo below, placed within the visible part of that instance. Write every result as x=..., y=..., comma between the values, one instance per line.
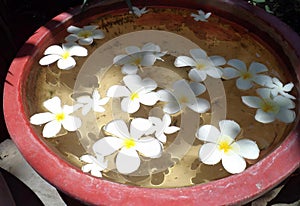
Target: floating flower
x=271, y=108
x=135, y=92
x=94, y=165
x=161, y=127
x=128, y=144
x=276, y=87
x=201, y=16
x=220, y=145
x=63, y=55
x=138, y=12
x=95, y=102
x=137, y=58
x=197, y=88
x=182, y=96
x=201, y=64
x=246, y=77
x=85, y=35
x=57, y=117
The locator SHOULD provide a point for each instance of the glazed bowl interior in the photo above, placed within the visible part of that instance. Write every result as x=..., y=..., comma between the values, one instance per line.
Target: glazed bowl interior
x=235, y=30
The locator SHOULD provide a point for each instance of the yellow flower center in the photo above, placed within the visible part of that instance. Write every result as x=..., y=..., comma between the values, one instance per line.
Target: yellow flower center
x=137, y=61
x=129, y=143
x=60, y=117
x=269, y=107
x=200, y=66
x=65, y=55
x=183, y=100
x=85, y=34
x=225, y=146
x=246, y=75
x=134, y=96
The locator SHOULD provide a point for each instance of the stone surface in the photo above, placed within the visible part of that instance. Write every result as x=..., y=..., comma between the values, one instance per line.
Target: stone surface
x=12, y=161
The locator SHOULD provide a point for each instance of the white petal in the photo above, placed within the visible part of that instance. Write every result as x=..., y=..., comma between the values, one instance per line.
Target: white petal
x=148, y=60
x=73, y=29
x=236, y=63
x=151, y=47
x=256, y=67
x=208, y=133
x=264, y=93
x=66, y=64
x=98, y=34
x=171, y=129
x=71, y=38
x=149, y=99
x=46, y=60
x=130, y=106
x=214, y=72
x=284, y=102
x=243, y=84
x=127, y=161
x=54, y=49
x=149, y=147
x=51, y=129
x=138, y=127
x=286, y=115
x=217, y=60
x=248, y=149
x=98, y=108
x=84, y=99
x=288, y=87
x=96, y=173
x=133, y=82
x=209, y=154
x=102, y=101
x=230, y=73
x=71, y=123
x=233, y=163
x=118, y=91
x=53, y=105
x=148, y=84
x=129, y=69
x=86, y=108
x=200, y=106
x=107, y=145
x=264, y=117
x=171, y=108
x=198, y=54
x=78, y=51
x=87, y=168
x=121, y=59
x=41, y=118
x=197, y=75
x=86, y=158
x=90, y=27
x=86, y=41
x=165, y=96
x=229, y=128
x=182, y=89
x=117, y=128
x=252, y=101
x=197, y=88
x=132, y=49
x=262, y=80
x=183, y=61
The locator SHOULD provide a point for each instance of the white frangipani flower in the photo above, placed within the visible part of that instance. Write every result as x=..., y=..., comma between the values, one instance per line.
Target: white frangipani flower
x=129, y=144
x=138, y=57
x=56, y=117
x=270, y=108
x=246, y=77
x=135, y=92
x=161, y=127
x=138, y=12
x=95, y=102
x=201, y=16
x=220, y=145
x=94, y=165
x=63, y=55
x=201, y=64
x=276, y=87
x=85, y=35
x=182, y=96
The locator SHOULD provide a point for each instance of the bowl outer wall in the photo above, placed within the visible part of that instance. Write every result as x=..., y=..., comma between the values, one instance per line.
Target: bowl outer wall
x=235, y=189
